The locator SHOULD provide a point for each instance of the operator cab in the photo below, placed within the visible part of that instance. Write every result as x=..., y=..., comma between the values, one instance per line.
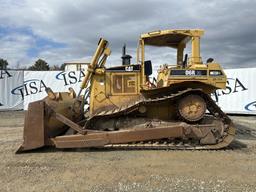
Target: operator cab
x=187, y=67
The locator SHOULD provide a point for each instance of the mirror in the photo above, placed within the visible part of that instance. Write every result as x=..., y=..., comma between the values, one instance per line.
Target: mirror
x=148, y=68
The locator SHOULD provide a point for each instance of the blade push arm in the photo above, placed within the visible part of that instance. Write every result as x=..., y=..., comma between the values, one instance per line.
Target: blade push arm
x=98, y=60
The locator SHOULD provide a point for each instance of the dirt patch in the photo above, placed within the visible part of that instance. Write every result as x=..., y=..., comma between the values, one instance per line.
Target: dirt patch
x=233, y=169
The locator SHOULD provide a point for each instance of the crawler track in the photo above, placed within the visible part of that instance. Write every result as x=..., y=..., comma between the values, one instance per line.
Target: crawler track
x=216, y=113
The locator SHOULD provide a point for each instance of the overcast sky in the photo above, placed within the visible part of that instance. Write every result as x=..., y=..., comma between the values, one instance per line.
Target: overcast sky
x=64, y=30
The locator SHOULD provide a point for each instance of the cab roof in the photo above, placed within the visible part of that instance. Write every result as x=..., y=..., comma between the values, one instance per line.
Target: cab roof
x=170, y=38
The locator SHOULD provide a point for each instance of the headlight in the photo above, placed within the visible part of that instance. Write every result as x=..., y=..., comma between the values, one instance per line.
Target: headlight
x=215, y=73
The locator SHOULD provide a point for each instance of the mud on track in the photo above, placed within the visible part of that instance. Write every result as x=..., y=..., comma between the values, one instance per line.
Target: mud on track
x=232, y=169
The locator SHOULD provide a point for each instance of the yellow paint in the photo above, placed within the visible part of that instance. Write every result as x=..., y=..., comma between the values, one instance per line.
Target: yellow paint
x=113, y=89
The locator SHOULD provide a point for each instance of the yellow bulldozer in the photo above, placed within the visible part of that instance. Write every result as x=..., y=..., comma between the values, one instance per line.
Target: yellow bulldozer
x=127, y=110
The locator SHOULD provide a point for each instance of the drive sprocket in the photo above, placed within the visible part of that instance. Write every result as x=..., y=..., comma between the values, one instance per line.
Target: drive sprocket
x=191, y=108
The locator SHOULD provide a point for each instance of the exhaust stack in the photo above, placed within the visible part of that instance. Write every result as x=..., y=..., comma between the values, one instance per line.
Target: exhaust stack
x=126, y=59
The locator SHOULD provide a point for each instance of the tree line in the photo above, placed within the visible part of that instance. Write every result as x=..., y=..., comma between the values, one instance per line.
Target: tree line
x=39, y=65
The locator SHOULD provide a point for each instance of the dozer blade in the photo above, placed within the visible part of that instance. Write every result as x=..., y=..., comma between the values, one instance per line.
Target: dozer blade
x=34, y=127
x=42, y=119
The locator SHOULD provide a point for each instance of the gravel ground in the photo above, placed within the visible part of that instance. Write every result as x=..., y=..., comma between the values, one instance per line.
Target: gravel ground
x=111, y=170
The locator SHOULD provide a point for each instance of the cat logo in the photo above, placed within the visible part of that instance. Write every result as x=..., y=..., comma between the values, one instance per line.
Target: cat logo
x=129, y=68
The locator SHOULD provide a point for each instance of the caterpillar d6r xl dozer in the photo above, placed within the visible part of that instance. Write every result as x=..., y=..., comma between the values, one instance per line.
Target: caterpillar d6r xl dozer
x=126, y=110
